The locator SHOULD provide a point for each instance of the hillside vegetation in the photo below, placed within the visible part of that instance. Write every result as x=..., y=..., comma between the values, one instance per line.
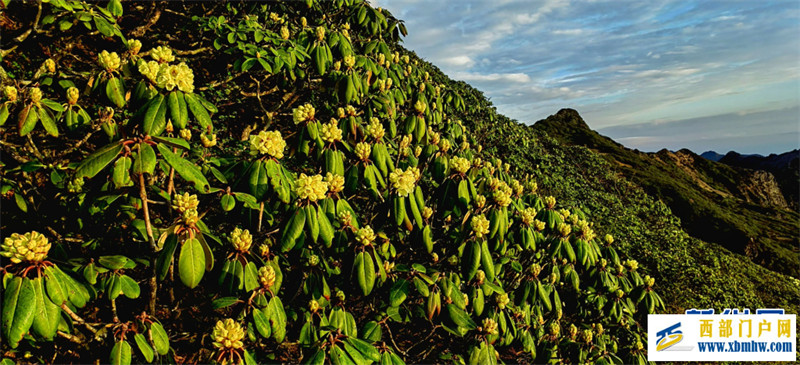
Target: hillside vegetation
x=739, y=209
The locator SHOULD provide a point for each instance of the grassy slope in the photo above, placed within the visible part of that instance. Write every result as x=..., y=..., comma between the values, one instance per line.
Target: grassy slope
x=728, y=221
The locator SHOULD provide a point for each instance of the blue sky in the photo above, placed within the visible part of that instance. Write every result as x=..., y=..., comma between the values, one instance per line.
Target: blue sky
x=704, y=75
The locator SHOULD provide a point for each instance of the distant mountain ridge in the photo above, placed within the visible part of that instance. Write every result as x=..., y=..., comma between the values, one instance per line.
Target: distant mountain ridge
x=711, y=155
x=785, y=167
x=741, y=209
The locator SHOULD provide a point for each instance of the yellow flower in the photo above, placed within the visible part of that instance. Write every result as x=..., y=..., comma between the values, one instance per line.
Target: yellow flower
x=609, y=239
x=241, y=239
x=480, y=225
x=335, y=182
x=320, y=33
x=185, y=202
x=550, y=202
x=564, y=229
x=184, y=77
x=480, y=201
x=311, y=187
x=502, y=300
x=31, y=246
x=502, y=196
x=404, y=143
x=489, y=326
x=365, y=236
x=72, y=95
x=375, y=128
x=420, y=106
x=444, y=145
x=351, y=110
x=460, y=164
x=270, y=143
x=208, y=142
x=417, y=151
x=134, y=46
x=584, y=230
x=632, y=264
x=330, y=132
x=35, y=94
x=480, y=276
x=349, y=61
x=404, y=181
x=109, y=61
x=427, y=212
x=190, y=217
x=50, y=65
x=266, y=276
x=10, y=93
x=586, y=335
x=516, y=187
x=303, y=22
x=186, y=134
x=363, y=151
x=303, y=113
x=539, y=225
x=285, y=32
x=528, y=215
x=149, y=69
x=162, y=54
x=228, y=334
x=263, y=250
x=532, y=186
x=313, y=305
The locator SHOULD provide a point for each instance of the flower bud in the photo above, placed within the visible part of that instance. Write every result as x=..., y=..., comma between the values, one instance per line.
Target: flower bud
x=190, y=217
x=489, y=326
x=320, y=32
x=330, y=132
x=10, y=93
x=313, y=306
x=609, y=239
x=554, y=329
x=550, y=202
x=420, y=106
x=480, y=276
x=480, y=225
x=340, y=295
x=375, y=129
x=427, y=212
x=50, y=65
x=208, y=142
x=263, y=250
x=586, y=335
x=363, y=151
x=453, y=260
x=285, y=32
x=162, y=54
x=303, y=22
x=266, y=276
x=365, y=236
x=185, y=134
x=335, y=182
x=502, y=300
x=349, y=61
x=228, y=335
x=311, y=187
x=110, y=61
x=435, y=257
x=134, y=46
x=185, y=202
x=35, y=94
x=31, y=246
x=267, y=143
x=460, y=164
x=72, y=95
x=303, y=113
x=241, y=239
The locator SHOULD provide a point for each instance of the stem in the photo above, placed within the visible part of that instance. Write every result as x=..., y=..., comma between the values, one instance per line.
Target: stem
x=172, y=280
x=114, y=309
x=153, y=279
x=260, y=215
x=77, y=318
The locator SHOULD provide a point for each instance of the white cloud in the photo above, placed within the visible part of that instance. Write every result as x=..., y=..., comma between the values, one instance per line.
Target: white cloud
x=507, y=77
x=569, y=32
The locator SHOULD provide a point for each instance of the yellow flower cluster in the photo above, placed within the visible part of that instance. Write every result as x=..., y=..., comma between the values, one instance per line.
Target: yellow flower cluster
x=502, y=300
x=460, y=164
x=405, y=142
x=190, y=217
x=420, y=106
x=427, y=212
x=149, y=69
x=404, y=181
x=433, y=136
x=50, y=65
x=363, y=150
x=335, y=182
x=586, y=335
x=631, y=264
x=285, y=32
x=444, y=145
x=31, y=246
x=550, y=202
x=208, y=142
x=532, y=186
x=330, y=132
x=320, y=33
x=186, y=134
x=564, y=229
x=270, y=143
x=480, y=276
x=609, y=239
x=502, y=196
x=480, y=201
x=375, y=129
x=266, y=276
x=241, y=239
x=303, y=113
x=180, y=76
x=134, y=46
x=228, y=334
x=517, y=187
x=35, y=94
x=349, y=61
x=489, y=326
x=584, y=230
x=311, y=187
x=110, y=61
x=565, y=213
x=10, y=93
x=365, y=236
x=162, y=54
x=480, y=225
x=528, y=215
x=72, y=95
x=185, y=202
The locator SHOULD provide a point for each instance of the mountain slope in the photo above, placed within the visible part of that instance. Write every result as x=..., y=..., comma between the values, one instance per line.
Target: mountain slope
x=785, y=167
x=739, y=209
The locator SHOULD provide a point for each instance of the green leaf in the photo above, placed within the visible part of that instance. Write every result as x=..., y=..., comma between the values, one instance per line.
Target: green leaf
x=261, y=323
x=174, y=142
x=471, y=259
x=121, y=353
x=45, y=322
x=114, y=262
x=293, y=230
x=249, y=359
x=27, y=119
x=177, y=109
x=98, y=160
x=365, y=272
x=224, y=302
x=21, y=203
x=155, y=116
x=121, y=174
x=18, y=309
x=191, y=263
x=160, y=338
x=55, y=288
x=47, y=121
x=129, y=287
x=277, y=318
x=144, y=347
x=326, y=231
x=115, y=92
x=198, y=111
x=185, y=169
x=228, y=202
x=460, y=317
x=104, y=27
x=486, y=261
x=145, y=161
x=250, y=277
x=164, y=259
x=398, y=293
x=3, y=114
x=365, y=348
